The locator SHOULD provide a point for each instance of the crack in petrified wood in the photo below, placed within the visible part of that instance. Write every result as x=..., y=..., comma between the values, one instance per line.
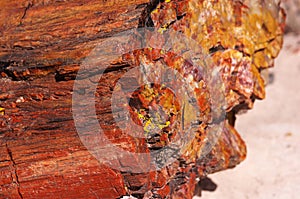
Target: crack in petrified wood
x=30, y=4
x=14, y=175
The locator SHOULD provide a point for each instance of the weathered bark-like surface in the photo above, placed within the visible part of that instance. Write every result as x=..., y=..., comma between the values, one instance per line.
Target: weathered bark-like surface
x=43, y=43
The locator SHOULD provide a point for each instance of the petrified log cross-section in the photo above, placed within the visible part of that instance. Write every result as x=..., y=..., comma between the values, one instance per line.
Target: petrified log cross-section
x=42, y=45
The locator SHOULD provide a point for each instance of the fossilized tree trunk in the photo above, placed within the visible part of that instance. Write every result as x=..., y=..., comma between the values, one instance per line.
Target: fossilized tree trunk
x=43, y=43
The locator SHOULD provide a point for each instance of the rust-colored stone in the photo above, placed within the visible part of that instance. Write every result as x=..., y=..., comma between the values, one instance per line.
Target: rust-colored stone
x=42, y=44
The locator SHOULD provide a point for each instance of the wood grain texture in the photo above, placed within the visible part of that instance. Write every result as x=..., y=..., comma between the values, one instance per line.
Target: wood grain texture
x=41, y=153
x=43, y=43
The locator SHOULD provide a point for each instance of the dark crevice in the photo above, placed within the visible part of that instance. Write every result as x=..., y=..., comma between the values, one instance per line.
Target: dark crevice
x=180, y=16
x=216, y=49
x=4, y=69
x=21, y=48
x=46, y=128
x=25, y=12
x=230, y=116
x=56, y=120
x=205, y=184
x=169, y=24
x=4, y=65
x=243, y=106
x=258, y=50
x=15, y=170
x=116, y=68
x=87, y=74
x=172, y=22
x=4, y=161
x=138, y=195
x=65, y=77
x=145, y=19
x=15, y=70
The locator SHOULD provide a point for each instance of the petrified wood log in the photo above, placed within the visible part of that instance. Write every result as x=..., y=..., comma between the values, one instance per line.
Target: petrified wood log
x=43, y=45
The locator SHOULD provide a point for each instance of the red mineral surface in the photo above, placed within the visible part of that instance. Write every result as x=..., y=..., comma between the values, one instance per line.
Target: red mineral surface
x=189, y=100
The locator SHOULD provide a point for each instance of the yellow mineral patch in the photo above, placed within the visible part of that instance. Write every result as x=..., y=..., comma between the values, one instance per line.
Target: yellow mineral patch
x=2, y=111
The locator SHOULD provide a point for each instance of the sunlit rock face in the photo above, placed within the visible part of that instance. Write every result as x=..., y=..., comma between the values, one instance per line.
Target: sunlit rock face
x=238, y=40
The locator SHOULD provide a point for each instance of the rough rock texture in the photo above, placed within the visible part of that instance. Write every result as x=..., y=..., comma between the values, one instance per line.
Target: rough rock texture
x=43, y=43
